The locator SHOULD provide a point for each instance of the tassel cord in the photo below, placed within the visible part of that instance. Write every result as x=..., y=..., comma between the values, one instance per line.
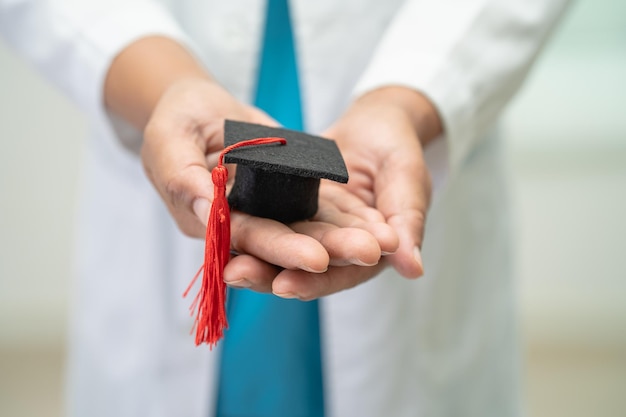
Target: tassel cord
x=209, y=304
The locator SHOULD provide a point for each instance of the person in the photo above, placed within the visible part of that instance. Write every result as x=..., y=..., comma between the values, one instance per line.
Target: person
x=410, y=91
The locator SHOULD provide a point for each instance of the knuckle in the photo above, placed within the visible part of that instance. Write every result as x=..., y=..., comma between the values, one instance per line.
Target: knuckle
x=190, y=227
x=175, y=191
x=239, y=225
x=187, y=231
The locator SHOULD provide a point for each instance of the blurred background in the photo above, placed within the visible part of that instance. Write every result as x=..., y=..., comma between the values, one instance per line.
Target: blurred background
x=567, y=139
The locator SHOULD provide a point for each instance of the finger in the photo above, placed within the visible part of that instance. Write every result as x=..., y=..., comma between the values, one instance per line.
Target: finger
x=246, y=271
x=184, y=132
x=306, y=286
x=347, y=202
x=188, y=197
x=345, y=246
x=384, y=234
x=404, y=196
x=276, y=243
x=176, y=165
x=408, y=259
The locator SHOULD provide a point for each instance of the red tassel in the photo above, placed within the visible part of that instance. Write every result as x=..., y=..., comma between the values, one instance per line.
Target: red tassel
x=210, y=302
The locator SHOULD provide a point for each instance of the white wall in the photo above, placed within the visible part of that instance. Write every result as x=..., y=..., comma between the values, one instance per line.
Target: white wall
x=567, y=134
x=40, y=151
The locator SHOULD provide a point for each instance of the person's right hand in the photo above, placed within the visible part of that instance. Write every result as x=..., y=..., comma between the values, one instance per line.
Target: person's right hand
x=182, y=141
x=381, y=136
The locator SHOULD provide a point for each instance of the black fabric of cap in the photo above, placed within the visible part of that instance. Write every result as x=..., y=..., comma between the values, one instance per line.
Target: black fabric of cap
x=280, y=182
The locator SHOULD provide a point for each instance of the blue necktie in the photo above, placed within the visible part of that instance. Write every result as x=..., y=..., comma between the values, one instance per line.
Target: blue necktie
x=271, y=360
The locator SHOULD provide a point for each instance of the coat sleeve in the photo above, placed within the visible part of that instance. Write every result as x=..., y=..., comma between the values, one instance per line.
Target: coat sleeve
x=73, y=42
x=468, y=56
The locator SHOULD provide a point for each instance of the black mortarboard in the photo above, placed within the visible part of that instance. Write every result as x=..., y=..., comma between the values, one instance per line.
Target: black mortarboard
x=278, y=177
x=280, y=182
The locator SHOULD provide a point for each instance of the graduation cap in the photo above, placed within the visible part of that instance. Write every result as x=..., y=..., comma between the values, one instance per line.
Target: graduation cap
x=278, y=177
x=280, y=182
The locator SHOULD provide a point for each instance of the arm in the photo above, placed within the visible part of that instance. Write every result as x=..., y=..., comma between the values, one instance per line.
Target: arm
x=71, y=41
x=468, y=57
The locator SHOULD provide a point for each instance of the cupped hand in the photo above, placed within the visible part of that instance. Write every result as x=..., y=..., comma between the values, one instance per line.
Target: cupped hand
x=381, y=138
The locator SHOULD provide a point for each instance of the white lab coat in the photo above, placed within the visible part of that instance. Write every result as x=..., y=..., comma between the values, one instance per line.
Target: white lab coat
x=444, y=345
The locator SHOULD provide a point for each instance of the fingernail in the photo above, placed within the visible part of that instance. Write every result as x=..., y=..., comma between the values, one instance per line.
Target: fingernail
x=309, y=269
x=356, y=261
x=201, y=208
x=240, y=283
x=287, y=295
x=384, y=253
x=417, y=254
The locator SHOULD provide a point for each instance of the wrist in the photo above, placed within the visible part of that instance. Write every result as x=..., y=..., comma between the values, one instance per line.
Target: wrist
x=417, y=107
x=142, y=72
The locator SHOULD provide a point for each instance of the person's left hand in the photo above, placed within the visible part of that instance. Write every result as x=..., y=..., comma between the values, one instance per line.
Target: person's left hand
x=389, y=185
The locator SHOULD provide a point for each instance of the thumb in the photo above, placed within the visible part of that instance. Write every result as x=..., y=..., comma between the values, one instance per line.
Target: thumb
x=404, y=197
